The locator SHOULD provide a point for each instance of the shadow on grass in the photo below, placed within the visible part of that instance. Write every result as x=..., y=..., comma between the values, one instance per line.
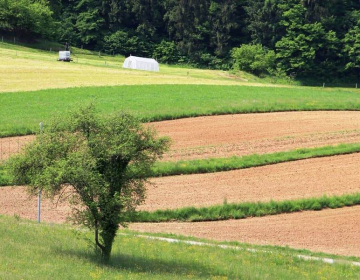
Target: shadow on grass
x=140, y=264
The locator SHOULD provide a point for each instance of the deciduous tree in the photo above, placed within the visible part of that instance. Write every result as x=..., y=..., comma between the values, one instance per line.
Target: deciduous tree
x=104, y=161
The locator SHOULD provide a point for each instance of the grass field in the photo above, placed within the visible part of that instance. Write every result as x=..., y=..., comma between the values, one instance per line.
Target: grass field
x=20, y=113
x=27, y=69
x=35, y=251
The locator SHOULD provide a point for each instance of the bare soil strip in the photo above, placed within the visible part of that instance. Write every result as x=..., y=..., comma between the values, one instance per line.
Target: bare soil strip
x=334, y=231
x=244, y=134
x=224, y=136
x=291, y=180
x=13, y=145
x=336, y=175
x=16, y=201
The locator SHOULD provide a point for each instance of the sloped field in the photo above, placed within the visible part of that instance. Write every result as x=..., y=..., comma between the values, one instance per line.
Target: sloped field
x=223, y=136
x=244, y=134
x=331, y=231
x=286, y=181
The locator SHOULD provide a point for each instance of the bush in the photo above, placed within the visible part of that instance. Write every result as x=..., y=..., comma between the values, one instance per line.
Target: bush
x=166, y=52
x=254, y=59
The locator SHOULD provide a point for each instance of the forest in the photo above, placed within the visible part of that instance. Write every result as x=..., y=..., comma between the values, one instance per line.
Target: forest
x=296, y=38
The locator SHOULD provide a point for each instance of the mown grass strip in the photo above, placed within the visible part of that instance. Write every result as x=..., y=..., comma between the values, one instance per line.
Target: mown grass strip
x=225, y=164
x=21, y=112
x=245, y=210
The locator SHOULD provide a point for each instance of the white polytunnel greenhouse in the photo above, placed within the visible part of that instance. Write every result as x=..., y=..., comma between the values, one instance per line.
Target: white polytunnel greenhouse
x=141, y=63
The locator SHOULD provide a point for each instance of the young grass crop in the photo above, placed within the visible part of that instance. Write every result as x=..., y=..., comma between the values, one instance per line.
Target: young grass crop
x=225, y=164
x=21, y=112
x=34, y=251
x=246, y=210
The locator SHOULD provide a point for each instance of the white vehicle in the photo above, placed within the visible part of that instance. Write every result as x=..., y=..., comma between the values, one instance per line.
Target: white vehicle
x=64, y=56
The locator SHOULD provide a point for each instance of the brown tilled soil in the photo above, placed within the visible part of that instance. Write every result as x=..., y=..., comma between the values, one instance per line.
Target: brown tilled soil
x=291, y=180
x=12, y=145
x=223, y=136
x=330, y=231
x=16, y=201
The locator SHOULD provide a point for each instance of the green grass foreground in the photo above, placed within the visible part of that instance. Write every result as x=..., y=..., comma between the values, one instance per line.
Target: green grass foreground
x=245, y=210
x=21, y=112
x=32, y=251
x=225, y=164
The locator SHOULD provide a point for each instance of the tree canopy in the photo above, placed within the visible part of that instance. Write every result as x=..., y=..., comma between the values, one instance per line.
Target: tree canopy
x=104, y=163
x=310, y=38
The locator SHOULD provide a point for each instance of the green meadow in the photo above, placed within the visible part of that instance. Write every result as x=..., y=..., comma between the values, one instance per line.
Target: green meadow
x=32, y=251
x=20, y=113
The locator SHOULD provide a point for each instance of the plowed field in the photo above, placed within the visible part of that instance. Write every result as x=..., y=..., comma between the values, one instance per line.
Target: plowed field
x=292, y=180
x=330, y=231
x=13, y=145
x=223, y=136
x=16, y=201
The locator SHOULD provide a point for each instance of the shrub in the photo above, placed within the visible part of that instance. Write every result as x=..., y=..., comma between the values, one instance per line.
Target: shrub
x=254, y=59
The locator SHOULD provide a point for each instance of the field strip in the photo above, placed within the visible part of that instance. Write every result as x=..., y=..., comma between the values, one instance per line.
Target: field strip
x=333, y=231
x=15, y=201
x=13, y=145
x=309, y=178
x=335, y=175
x=230, y=247
x=21, y=73
x=243, y=134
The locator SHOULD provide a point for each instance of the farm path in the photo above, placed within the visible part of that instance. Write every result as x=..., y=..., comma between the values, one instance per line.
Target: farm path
x=334, y=231
x=243, y=134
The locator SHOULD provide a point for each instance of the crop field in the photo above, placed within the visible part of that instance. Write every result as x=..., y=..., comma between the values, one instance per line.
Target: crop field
x=234, y=144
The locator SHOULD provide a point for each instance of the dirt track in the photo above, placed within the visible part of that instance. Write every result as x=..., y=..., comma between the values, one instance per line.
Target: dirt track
x=223, y=136
x=292, y=180
x=330, y=231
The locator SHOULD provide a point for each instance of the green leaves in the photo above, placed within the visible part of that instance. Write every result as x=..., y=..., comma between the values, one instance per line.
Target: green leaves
x=26, y=18
x=254, y=58
x=105, y=161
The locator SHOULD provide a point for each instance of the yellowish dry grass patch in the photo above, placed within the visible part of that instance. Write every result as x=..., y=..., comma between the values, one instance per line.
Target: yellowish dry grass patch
x=29, y=70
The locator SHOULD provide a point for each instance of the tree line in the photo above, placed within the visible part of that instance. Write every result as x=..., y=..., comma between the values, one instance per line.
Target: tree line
x=300, y=38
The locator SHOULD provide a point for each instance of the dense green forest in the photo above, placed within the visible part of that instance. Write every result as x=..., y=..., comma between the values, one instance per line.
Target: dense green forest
x=297, y=38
